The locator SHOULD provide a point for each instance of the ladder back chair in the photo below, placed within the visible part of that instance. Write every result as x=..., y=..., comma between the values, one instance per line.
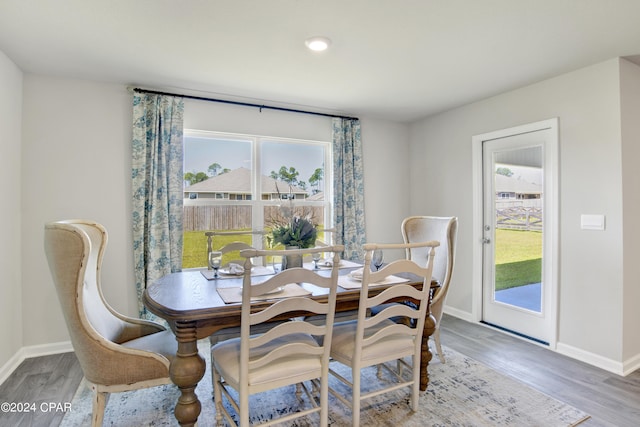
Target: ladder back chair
x=375, y=339
x=292, y=353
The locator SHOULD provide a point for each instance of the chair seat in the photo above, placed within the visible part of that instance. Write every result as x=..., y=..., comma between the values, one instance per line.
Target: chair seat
x=344, y=342
x=225, y=357
x=163, y=343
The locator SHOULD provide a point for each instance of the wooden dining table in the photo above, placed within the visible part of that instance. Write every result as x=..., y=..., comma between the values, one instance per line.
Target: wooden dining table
x=193, y=308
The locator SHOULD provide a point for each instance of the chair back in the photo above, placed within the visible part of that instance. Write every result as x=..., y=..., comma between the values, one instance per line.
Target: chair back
x=276, y=337
x=328, y=237
x=443, y=230
x=231, y=250
x=381, y=326
x=74, y=251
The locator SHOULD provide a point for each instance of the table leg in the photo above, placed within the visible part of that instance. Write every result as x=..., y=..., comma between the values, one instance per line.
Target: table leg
x=426, y=356
x=186, y=370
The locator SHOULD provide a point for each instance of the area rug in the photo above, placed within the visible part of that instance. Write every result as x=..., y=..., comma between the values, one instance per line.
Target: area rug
x=461, y=392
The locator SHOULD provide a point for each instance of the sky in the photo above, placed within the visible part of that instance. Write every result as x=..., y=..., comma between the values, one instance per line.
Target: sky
x=199, y=153
x=529, y=174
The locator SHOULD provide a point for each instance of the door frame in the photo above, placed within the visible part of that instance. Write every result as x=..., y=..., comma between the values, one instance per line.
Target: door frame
x=550, y=216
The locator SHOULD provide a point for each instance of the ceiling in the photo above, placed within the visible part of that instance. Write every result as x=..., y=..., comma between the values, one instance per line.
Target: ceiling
x=395, y=59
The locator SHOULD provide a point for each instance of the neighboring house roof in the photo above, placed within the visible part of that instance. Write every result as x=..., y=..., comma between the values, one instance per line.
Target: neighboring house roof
x=319, y=196
x=238, y=181
x=507, y=184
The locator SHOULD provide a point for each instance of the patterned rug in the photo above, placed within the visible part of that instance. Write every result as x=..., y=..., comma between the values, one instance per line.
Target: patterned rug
x=461, y=392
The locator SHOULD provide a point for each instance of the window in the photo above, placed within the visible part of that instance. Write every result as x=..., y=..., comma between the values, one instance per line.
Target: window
x=242, y=182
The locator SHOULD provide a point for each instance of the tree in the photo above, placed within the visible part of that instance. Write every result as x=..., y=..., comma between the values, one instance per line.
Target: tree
x=288, y=175
x=504, y=171
x=214, y=168
x=193, y=178
x=316, y=179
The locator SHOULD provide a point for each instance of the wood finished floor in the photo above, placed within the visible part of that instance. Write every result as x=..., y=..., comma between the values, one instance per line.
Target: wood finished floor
x=611, y=400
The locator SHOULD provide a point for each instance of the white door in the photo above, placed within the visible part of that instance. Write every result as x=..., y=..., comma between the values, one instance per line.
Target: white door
x=518, y=230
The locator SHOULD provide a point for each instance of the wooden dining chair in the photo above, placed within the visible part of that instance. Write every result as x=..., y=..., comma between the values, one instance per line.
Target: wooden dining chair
x=376, y=340
x=234, y=247
x=291, y=353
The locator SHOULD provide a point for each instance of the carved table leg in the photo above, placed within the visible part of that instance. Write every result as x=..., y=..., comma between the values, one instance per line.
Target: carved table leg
x=185, y=371
x=426, y=356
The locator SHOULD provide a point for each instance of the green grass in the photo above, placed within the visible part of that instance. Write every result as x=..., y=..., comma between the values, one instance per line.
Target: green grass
x=518, y=257
x=518, y=254
x=194, y=251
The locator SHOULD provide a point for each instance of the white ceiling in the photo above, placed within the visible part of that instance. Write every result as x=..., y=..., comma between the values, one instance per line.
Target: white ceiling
x=395, y=59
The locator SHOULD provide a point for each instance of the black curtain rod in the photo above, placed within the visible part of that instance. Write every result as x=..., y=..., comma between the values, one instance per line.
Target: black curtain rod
x=244, y=104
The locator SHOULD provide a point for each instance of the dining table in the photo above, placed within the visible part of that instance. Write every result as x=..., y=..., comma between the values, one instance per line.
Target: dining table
x=195, y=305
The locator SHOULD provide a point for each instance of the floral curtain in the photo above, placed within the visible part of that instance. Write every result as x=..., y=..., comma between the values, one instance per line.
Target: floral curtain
x=348, y=185
x=156, y=176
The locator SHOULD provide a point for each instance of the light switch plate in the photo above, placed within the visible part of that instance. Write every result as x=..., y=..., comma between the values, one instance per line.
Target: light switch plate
x=592, y=222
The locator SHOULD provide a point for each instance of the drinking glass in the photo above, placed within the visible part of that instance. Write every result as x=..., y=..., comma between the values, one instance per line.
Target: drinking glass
x=316, y=257
x=276, y=263
x=377, y=259
x=215, y=259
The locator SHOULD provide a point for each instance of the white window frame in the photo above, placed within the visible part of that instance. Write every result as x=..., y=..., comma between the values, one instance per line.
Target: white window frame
x=256, y=190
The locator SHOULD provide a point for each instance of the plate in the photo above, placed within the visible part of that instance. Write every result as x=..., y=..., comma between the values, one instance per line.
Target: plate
x=355, y=275
x=229, y=273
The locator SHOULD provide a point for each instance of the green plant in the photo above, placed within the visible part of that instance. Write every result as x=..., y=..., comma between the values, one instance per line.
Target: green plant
x=299, y=232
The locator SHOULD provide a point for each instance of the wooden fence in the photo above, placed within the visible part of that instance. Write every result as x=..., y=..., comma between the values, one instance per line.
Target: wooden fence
x=237, y=217
x=519, y=218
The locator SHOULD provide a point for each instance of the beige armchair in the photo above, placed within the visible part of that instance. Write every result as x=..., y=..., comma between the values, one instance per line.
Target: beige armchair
x=116, y=353
x=444, y=230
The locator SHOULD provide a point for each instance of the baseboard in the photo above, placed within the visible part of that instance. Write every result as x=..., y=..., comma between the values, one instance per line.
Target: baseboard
x=625, y=368
x=7, y=369
x=32, y=351
x=630, y=365
x=464, y=315
x=592, y=359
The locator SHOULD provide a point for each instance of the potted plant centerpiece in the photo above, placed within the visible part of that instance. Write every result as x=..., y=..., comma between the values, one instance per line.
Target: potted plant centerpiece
x=300, y=233
x=293, y=231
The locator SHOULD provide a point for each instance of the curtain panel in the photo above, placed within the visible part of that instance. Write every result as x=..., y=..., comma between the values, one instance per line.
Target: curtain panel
x=348, y=172
x=157, y=183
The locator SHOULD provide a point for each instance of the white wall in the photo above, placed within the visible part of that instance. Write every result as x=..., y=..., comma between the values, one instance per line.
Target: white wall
x=76, y=147
x=630, y=101
x=10, y=242
x=386, y=180
x=76, y=164
x=587, y=103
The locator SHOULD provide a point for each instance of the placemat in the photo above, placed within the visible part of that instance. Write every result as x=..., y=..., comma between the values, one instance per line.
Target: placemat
x=234, y=295
x=348, y=283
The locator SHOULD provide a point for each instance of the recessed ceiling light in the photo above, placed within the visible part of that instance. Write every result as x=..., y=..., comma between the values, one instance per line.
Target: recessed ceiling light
x=317, y=44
